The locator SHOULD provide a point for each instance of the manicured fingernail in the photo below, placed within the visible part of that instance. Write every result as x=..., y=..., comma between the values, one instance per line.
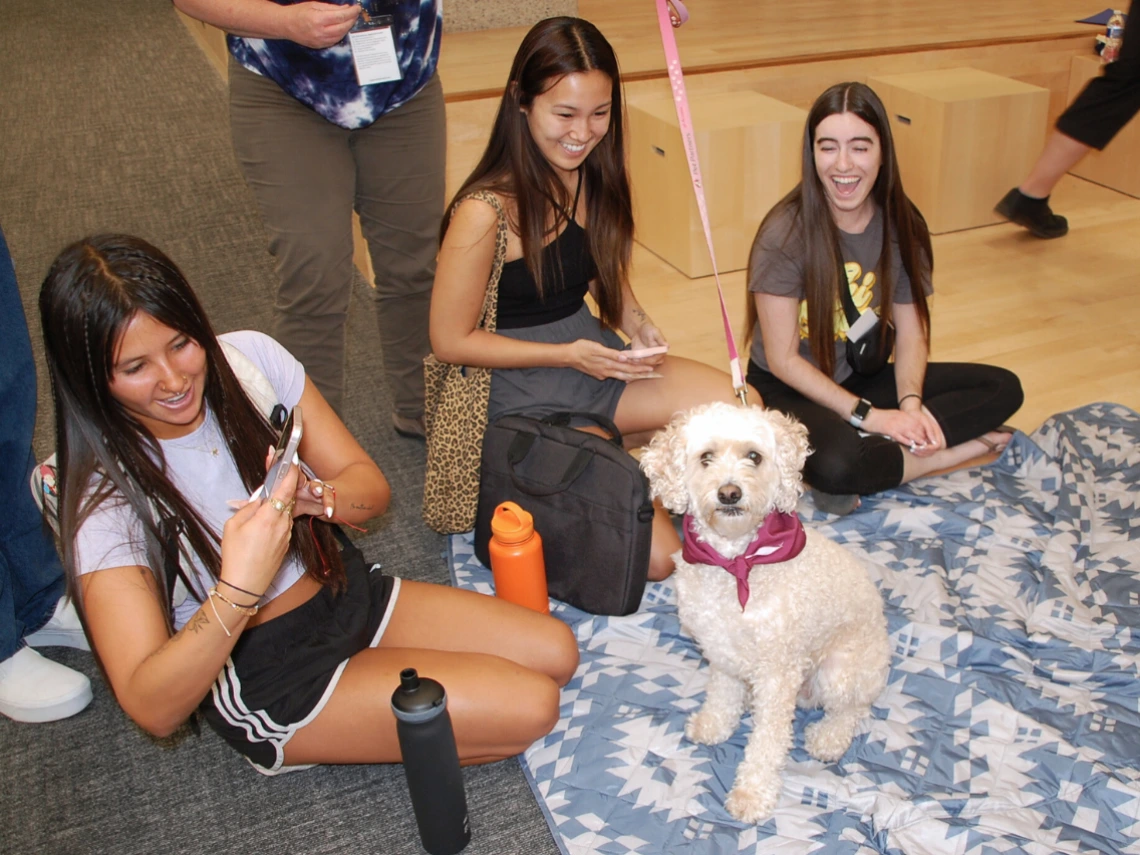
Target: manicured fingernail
x=318, y=490
x=328, y=513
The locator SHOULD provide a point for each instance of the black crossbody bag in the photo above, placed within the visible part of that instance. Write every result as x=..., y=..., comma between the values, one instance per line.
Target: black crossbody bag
x=870, y=354
x=590, y=503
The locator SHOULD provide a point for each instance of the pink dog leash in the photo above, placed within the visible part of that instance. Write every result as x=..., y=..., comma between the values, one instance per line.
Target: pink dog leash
x=684, y=118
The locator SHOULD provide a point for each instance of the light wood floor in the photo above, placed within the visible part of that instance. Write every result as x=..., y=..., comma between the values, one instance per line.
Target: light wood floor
x=1063, y=314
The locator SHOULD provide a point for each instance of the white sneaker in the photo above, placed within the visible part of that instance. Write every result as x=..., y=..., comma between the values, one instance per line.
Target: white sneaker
x=62, y=630
x=35, y=689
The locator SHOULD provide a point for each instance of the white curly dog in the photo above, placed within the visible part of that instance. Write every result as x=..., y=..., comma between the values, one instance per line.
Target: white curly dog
x=783, y=615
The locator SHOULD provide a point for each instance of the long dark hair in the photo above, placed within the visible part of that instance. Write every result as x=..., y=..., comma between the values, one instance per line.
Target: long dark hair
x=92, y=291
x=807, y=209
x=513, y=165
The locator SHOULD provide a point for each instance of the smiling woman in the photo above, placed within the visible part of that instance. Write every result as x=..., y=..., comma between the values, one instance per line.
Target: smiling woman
x=159, y=376
x=287, y=645
x=556, y=163
x=849, y=227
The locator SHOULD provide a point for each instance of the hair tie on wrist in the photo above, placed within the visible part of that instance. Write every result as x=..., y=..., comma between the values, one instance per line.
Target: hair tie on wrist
x=240, y=590
x=911, y=395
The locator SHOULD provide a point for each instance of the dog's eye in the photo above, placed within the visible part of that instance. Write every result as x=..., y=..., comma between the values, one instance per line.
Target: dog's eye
x=755, y=457
x=706, y=458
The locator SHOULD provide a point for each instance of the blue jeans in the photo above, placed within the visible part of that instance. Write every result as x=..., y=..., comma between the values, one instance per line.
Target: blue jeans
x=31, y=576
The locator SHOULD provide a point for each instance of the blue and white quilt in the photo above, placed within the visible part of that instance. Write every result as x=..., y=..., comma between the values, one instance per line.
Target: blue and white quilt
x=1011, y=720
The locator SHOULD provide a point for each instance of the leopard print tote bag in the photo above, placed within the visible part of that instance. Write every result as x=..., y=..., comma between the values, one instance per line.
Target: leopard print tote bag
x=455, y=414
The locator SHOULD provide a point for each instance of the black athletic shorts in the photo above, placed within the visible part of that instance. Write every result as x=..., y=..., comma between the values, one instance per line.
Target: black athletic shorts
x=281, y=673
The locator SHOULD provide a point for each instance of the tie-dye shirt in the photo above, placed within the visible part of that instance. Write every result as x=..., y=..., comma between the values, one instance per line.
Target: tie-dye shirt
x=325, y=80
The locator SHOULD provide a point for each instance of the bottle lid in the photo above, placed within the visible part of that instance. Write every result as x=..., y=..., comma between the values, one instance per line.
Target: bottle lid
x=511, y=524
x=417, y=699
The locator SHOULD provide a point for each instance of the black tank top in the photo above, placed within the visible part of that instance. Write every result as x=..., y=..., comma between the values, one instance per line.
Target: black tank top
x=567, y=269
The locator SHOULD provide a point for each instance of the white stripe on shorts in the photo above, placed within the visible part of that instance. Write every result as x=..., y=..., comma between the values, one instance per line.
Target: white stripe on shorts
x=257, y=724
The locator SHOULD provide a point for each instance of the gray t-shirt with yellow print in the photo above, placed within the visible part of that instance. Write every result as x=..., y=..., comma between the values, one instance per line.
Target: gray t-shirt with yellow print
x=777, y=267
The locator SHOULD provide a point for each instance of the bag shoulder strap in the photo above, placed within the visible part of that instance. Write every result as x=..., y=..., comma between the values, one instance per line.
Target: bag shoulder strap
x=845, y=299
x=252, y=379
x=488, y=316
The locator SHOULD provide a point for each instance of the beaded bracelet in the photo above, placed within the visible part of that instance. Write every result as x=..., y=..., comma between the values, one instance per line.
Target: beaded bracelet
x=245, y=610
x=911, y=395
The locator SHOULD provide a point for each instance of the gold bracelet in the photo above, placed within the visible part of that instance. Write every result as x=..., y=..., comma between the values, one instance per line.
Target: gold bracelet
x=245, y=610
x=221, y=622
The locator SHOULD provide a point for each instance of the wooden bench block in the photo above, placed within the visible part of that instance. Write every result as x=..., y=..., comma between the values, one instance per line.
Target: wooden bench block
x=1117, y=167
x=963, y=138
x=749, y=148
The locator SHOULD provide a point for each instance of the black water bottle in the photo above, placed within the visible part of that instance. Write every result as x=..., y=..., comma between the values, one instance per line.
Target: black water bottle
x=431, y=763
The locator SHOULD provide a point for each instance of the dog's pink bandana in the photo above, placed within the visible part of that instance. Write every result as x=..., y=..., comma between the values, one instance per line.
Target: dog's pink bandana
x=780, y=538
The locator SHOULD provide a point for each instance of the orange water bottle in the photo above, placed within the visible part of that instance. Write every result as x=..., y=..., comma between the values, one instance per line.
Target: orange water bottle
x=516, y=558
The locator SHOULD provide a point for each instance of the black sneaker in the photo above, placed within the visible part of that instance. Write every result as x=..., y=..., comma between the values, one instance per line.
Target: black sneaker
x=1033, y=214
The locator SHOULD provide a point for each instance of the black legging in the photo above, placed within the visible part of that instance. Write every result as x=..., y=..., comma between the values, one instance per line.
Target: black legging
x=1108, y=102
x=967, y=400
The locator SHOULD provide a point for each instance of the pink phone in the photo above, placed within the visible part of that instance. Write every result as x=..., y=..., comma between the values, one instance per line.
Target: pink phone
x=642, y=352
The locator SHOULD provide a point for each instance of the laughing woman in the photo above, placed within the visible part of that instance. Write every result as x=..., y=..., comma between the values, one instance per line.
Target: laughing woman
x=849, y=225
x=289, y=648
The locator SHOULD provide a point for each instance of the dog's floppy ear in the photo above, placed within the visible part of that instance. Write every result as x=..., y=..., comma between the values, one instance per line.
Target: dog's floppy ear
x=791, y=452
x=663, y=462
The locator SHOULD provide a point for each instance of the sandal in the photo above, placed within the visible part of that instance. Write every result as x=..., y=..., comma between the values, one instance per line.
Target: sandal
x=993, y=446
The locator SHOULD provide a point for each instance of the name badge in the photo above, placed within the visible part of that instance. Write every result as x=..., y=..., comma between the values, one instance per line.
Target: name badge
x=373, y=47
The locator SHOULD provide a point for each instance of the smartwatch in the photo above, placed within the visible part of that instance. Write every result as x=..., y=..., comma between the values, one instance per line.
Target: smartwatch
x=862, y=407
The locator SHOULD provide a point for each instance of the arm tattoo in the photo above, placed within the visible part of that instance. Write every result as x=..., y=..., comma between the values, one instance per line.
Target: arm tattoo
x=197, y=623
x=357, y=507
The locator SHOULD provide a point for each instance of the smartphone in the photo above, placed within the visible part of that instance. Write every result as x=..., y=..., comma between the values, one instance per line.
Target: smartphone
x=284, y=454
x=641, y=353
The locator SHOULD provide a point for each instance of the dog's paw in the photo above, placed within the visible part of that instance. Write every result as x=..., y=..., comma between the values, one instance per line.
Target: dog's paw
x=752, y=806
x=829, y=738
x=709, y=727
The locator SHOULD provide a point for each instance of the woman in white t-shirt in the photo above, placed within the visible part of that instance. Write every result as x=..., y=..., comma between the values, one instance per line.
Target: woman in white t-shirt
x=289, y=647
x=849, y=225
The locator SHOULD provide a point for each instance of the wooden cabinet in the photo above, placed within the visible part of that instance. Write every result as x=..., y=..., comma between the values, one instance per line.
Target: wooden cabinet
x=963, y=138
x=749, y=148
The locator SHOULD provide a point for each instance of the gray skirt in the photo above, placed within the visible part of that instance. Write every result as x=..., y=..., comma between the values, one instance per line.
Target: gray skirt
x=538, y=392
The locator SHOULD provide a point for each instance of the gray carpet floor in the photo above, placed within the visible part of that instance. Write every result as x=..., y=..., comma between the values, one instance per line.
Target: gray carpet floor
x=112, y=120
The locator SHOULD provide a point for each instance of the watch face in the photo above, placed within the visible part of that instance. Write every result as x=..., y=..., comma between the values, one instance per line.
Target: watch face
x=861, y=409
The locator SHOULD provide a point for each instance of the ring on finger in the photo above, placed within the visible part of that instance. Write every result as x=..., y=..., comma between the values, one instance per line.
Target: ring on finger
x=280, y=506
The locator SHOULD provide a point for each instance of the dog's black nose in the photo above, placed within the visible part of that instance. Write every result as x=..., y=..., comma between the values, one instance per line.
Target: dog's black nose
x=729, y=494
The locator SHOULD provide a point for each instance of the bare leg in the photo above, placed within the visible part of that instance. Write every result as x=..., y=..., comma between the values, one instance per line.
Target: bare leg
x=1061, y=153
x=501, y=665
x=665, y=544
x=952, y=458
x=649, y=405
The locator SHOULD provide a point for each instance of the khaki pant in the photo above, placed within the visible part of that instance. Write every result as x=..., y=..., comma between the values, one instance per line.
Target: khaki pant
x=308, y=175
